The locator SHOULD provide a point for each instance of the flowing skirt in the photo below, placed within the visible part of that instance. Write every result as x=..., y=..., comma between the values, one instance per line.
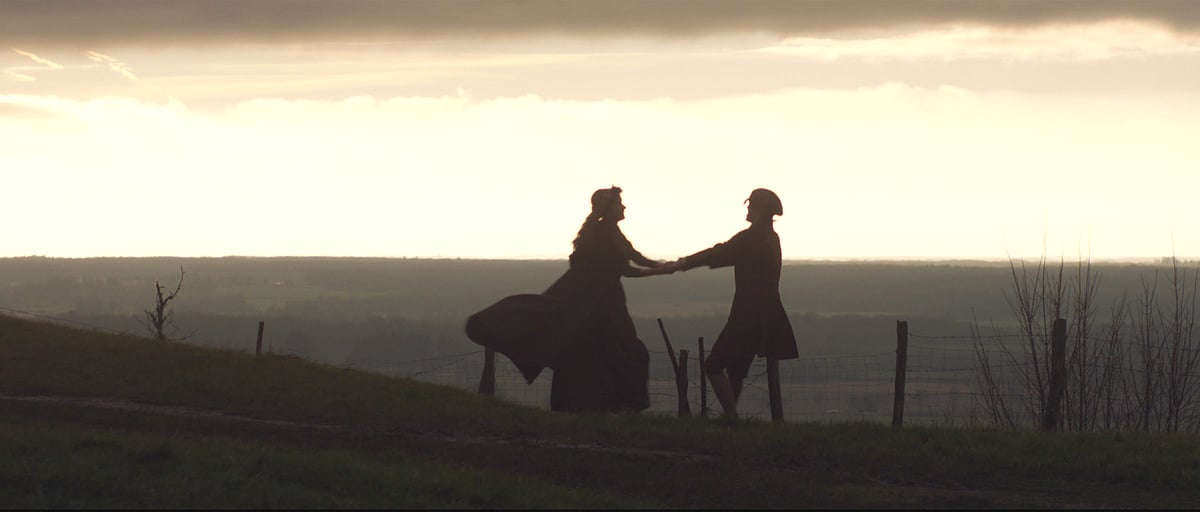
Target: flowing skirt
x=598, y=362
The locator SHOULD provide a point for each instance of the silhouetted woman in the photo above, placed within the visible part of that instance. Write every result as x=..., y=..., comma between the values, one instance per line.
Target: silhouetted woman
x=580, y=327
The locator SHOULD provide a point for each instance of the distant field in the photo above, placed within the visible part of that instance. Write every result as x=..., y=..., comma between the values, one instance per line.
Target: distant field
x=423, y=288
x=398, y=316
x=354, y=310
x=98, y=420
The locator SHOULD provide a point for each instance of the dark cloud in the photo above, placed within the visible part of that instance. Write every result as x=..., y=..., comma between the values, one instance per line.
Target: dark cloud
x=104, y=23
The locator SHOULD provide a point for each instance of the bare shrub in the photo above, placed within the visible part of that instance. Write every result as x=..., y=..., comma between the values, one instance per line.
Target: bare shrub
x=159, y=318
x=1136, y=371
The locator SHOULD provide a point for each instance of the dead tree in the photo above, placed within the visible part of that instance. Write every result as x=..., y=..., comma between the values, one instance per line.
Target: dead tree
x=159, y=318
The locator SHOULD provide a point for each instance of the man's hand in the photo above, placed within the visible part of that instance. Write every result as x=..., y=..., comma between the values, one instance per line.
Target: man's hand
x=658, y=269
x=672, y=267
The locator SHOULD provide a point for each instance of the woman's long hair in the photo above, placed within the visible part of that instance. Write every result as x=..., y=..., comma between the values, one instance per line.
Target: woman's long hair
x=602, y=201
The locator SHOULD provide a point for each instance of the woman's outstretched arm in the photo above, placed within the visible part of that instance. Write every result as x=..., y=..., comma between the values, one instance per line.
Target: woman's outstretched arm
x=638, y=258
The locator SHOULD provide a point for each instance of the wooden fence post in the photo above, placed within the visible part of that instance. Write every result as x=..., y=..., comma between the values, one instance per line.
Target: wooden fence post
x=258, y=344
x=487, y=381
x=670, y=351
x=703, y=382
x=681, y=383
x=1058, y=375
x=901, y=370
x=773, y=390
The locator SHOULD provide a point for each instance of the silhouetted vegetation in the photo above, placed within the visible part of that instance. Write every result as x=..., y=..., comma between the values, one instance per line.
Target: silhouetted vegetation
x=1131, y=364
x=159, y=319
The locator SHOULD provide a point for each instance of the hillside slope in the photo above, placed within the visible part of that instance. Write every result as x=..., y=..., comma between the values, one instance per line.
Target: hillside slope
x=91, y=419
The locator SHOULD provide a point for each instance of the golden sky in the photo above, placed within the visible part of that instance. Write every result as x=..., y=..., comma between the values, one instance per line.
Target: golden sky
x=923, y=129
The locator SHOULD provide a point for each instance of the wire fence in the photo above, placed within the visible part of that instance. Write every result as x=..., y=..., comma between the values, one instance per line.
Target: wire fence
x=944, y=375
x=1111, y=383
x=943, y=384
x=822, y=389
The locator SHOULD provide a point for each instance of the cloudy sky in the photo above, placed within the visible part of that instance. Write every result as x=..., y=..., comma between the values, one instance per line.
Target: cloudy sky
x=923, y=129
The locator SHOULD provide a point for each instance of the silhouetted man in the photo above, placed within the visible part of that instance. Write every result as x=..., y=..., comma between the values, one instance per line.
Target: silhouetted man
x=757, y=324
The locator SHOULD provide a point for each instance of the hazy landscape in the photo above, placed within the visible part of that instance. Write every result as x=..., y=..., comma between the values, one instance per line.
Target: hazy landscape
x=404, y=317
x=339, y=310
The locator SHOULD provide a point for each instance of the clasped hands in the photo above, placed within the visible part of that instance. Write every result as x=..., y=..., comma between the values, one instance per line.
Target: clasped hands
x=664, y=267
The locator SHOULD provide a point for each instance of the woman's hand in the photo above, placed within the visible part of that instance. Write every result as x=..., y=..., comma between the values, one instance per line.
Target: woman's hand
x=663, y=268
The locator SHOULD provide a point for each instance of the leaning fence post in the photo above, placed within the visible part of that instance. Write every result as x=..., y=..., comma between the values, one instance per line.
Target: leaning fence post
x=901, y=370
x=1058, y=375
x=773, y=390
x=487, y=381
x=670, y=351
x=258, y=344
x=681, y=383
x=703, y=381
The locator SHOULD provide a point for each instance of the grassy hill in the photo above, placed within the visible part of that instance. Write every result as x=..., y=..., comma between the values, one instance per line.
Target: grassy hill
x=97, y=420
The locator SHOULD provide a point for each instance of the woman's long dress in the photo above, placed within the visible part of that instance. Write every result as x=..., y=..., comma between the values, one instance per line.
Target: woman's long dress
x=579, y=327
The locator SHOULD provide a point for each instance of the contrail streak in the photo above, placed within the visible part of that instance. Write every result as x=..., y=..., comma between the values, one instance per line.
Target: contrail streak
x=114, y=64
x=46, y=62
x=124, y=70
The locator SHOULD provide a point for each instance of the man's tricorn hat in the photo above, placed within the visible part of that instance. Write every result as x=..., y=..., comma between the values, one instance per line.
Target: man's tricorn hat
x=766, y=199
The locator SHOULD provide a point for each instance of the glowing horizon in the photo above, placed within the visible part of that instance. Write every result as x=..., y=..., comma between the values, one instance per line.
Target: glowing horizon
x=947, y=138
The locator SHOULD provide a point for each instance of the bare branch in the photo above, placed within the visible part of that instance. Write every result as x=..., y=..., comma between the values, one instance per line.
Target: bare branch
x=159, y=318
